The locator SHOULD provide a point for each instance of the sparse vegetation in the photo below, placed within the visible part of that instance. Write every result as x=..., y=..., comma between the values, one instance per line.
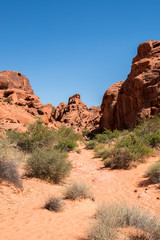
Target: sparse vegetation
x=107, y=135
x=8, y=100
x=100, y=151
x=48, y=150
x=91, y=144
x=54, y=204
x=128, y=151
x=127, y=148
x=154, y=173
x=48, y=164
x=39, y=135
x=9, y=172
x=110, y=218
x=77, y=191
x=86, y=133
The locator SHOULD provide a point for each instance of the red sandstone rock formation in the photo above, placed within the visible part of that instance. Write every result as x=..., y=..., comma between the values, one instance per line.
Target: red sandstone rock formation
x=139, y=95
x=20, y=106
x=12, y=79
x=77, y=115
x=108, y=107
x=18, y=103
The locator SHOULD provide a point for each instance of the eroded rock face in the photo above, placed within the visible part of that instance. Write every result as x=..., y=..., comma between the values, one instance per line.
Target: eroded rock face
x=19, y=105
x=139, y=95
x=108, y=107
x=12, y=79
x=77, y=115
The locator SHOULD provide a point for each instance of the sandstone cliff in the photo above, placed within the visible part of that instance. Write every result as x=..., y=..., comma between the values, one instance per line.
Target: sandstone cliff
x=125, y=103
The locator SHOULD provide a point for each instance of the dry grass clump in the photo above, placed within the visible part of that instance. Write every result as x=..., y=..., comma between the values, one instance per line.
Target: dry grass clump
x=9, y=172
x=77, y=191
x=54, y=204
x=154, y=173
x=110, y=218
x=48, y=164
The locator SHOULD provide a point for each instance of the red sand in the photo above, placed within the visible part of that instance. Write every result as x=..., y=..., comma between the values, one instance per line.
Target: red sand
x=22, y=216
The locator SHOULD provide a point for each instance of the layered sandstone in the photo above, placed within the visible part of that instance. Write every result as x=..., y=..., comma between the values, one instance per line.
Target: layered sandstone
x=139, y=96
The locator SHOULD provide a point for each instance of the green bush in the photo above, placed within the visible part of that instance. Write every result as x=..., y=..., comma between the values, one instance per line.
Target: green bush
x=119, y=159
x=66, y=144
x=54, y=204
x=9, y=172
x=49, y=164
x=106, y=136
x=127, y=152
x=100, y=151
x=136, y=146
x=37, y=135
x=110, y=218
x=154, y=173
x=77, y=191
x=153, y=139
x=68, y=133
x=91, y=144
x=86, y=133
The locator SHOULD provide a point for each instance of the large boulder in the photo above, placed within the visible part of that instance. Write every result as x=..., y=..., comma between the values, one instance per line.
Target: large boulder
x=12, y=79
x=139, y=96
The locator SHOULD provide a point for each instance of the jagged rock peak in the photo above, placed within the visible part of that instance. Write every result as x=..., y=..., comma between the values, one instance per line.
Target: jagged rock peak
x=77, y=115
x=75, y=99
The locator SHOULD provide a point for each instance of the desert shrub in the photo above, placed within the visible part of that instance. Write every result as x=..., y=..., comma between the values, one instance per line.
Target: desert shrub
x=37, y=135
x=154, y=173
x=9, y=172
x=77, y=191
x=67, y=139
x=136, y=146
x=109, y=218
x=107, y=135
x=8, y=100
x=68, y=133
x=149, y=131
x=66, y=144
x=128, y=151
x=120, y=159
x=91, y=144
x=54, y=204
x=49, y=164
x=86, y=133
x=100, y=151
x=154, y=139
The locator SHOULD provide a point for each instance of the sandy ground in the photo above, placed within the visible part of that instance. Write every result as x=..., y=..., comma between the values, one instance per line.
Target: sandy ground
x=22, y=216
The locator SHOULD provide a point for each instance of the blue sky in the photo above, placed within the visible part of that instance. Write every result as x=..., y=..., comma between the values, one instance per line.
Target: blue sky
x=74, y=46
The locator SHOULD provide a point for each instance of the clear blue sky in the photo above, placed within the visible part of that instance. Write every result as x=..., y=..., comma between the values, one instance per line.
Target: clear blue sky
x=74, y=46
